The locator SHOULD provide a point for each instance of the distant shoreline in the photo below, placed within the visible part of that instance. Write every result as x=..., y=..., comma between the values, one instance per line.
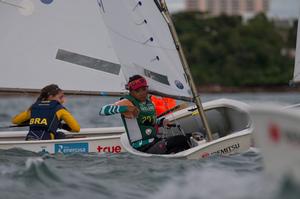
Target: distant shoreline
x=244, y=89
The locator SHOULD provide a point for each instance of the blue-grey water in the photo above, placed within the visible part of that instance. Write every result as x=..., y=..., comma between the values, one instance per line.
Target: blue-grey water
x=25, y=174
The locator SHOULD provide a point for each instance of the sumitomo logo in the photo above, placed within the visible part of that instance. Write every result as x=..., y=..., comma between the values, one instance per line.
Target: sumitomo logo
x=72, y=148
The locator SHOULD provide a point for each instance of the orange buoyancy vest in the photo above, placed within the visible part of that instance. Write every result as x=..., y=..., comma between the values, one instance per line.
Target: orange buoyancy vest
x=162, y=104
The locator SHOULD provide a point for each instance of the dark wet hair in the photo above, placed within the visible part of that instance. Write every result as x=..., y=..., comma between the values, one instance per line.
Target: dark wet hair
x=47, y=91
x=134, y=77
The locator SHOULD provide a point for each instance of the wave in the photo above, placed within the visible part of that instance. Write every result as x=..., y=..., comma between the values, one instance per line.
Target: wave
x=214, y=184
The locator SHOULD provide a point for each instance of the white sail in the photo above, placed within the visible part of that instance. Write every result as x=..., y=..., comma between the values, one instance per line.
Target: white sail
x=296, y=77
x=67, y=43
x=144, y=44
x=63, y=42
x=96, y=45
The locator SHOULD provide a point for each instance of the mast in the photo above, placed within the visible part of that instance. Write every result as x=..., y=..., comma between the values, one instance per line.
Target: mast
x=196, y=96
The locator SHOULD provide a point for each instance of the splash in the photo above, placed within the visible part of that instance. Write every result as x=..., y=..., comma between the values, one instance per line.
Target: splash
x=30, y=162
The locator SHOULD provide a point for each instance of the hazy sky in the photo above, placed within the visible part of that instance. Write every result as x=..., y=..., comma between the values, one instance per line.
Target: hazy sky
x=279, y=8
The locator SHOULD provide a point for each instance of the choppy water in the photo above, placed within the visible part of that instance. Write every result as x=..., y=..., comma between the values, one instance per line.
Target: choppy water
x=25, y=174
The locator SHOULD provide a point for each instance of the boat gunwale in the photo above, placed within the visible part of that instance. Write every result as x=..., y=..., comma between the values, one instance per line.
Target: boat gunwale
x=86, y=139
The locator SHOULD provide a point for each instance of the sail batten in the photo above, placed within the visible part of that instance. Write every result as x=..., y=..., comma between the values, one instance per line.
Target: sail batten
x=89, y=62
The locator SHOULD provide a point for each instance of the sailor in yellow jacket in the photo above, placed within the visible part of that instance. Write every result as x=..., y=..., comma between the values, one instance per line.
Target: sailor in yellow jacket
x=45, y=115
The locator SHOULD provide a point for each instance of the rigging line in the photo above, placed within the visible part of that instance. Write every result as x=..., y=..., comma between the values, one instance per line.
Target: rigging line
x=149, y=27
x=141, y=23
x=144, y=21
x=170, y=58
x=130, y=39
x=147, y=44
x=142, y=16
x=136, y=41
x=100, y=4
x=11, y=4
x=173, y=62
x=139, y=3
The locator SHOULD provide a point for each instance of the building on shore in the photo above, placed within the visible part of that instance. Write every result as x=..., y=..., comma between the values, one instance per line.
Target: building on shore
x=245, y=8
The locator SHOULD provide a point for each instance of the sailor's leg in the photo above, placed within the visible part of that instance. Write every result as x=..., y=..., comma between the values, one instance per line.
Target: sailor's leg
x=158, y=148
x=177, y=143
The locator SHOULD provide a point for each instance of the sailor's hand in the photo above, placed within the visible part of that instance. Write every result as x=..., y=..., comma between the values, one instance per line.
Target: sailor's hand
x=133, y=110
x=167, y=123
x=65, y=127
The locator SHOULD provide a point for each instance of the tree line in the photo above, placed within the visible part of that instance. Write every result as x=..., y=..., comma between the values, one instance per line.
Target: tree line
x=229, y=51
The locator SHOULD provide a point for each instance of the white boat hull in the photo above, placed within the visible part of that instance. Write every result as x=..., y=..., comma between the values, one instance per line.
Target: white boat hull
x=277, y=134
x=232, y=144
x=109, y=144
x=85, y=132
x=87, y=141
x=230, y=124
x=228, y=119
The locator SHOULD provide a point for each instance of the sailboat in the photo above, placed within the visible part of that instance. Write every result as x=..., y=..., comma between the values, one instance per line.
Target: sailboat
x=102, y=43
x=277, y=132
x=277, y=135
x=146, y=43
x=61, y=42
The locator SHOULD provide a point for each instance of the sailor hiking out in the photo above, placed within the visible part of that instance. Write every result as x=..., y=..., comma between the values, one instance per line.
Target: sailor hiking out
x=140, y=120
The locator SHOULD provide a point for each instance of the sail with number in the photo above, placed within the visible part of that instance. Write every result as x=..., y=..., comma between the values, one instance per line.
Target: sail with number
x=296, y=77
x=87, y=46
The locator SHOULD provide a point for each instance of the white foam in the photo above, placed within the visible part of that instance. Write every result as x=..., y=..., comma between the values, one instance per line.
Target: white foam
x=33, y=162
x=216, y=184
